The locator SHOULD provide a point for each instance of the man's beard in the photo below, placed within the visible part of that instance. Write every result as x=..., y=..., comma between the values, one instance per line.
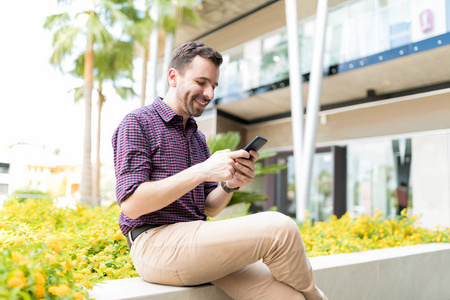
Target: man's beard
x=191, y=104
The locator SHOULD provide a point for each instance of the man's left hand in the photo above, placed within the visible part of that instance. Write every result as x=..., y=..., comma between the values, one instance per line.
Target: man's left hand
x=245, y=170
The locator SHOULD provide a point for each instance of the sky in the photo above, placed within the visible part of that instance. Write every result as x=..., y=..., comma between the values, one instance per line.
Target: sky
x=35, y=104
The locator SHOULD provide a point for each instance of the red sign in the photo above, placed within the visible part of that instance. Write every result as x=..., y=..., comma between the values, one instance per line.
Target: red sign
x=426, y=20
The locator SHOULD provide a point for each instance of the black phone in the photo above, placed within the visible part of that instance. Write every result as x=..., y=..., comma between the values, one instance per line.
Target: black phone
x=256, y=144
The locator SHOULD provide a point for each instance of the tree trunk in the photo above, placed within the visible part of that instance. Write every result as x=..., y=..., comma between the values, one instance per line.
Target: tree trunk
x=144, y=77
x=168, y=47
x=153, y=52
x=86, y=171
x=97, y=166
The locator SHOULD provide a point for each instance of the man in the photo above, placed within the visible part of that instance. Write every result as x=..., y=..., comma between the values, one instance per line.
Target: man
x=167, y=185
x=401, y=196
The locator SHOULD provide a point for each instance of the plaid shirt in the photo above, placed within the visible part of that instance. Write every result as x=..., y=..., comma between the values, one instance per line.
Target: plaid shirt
x=149, y=145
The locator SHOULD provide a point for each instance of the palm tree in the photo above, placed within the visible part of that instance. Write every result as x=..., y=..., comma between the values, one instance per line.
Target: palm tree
x=114, y=64
x=168, y=15
x=84, y=31
x=139, y=30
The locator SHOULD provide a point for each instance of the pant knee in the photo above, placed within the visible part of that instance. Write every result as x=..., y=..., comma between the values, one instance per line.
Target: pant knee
x=280, y=223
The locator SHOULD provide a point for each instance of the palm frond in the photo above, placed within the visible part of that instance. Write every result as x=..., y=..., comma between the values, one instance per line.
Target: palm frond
x=57, y=21
x=77, y=93
x=247, y=196
x=63, y=43
x=272, y=169
x=229, y=140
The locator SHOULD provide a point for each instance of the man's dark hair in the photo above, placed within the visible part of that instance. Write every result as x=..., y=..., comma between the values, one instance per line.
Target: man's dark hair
x=184, y=54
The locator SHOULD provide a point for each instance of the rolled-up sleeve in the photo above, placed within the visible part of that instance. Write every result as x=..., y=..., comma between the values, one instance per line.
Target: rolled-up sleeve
x=132, y=159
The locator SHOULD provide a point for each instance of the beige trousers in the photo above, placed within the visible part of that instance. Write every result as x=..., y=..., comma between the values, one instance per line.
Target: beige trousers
x=260, y=256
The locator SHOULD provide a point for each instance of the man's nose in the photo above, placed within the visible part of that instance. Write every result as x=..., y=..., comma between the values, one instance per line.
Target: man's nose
x=209, y=93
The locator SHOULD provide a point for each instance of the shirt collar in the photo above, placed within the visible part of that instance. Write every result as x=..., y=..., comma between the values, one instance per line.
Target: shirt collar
x=167, y=114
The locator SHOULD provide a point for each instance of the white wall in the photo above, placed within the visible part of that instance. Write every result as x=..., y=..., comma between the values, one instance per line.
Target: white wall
x=431, y=180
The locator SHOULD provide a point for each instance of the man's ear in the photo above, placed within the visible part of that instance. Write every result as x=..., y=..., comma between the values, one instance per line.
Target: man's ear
x=173, y=78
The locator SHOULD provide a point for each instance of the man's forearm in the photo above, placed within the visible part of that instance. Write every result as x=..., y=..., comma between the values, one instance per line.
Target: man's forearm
x=152, y=196
x=216, y=201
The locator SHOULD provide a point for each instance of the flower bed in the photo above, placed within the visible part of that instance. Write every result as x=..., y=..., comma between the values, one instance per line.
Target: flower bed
x=56, y=253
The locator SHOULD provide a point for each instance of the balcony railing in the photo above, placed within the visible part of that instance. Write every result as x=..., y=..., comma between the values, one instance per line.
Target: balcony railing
x=356, y=30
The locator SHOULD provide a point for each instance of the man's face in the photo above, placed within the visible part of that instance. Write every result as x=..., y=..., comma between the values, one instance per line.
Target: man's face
x=195, y=88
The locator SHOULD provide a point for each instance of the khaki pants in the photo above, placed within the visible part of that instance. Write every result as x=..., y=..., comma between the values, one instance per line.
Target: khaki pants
x=228, y=254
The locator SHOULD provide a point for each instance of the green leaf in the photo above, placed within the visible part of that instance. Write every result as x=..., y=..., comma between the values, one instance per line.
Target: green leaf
x=24, y=295
x=222, y=141
x=246, y=196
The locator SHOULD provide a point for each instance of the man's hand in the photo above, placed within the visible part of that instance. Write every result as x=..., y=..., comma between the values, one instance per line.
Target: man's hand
x=237, y=168
x=244, y=170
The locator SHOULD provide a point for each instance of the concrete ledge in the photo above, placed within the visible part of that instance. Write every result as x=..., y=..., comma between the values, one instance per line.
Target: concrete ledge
x=413, y=272
x=136, y=288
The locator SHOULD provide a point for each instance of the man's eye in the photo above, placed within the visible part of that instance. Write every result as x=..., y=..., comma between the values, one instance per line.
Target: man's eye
x=200, y=83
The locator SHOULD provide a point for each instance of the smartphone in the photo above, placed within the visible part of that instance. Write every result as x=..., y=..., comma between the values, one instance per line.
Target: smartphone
x=255, y=144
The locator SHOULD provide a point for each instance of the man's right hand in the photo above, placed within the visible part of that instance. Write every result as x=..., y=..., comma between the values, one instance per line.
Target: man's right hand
x=221, y=165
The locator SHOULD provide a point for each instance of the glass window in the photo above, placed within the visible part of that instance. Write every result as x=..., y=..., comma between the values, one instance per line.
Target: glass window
x=336, y=37
x=230, y=81
x=4, y=168
x=370, y=178
x=306, y=31
x=320, y=205
x=275, y=61
x=3, y=188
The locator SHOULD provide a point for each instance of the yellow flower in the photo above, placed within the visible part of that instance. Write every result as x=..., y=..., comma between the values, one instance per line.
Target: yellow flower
x=19, y=274
x=78, y=296
x=18, y=258
x=61, y=290
x=82, y=263
x=40, y=278
x=119, y=259
x=51, y=259
x=78, y=277
x=39, y=290
x=68, y=265
x=89, y=285
x=19, y=241
x=39, y=235
x=109, y=271
x=102, y=267
x=3, y=224
x=52, y=242
x=87, y=271
x=126, y=267
x=18, y=279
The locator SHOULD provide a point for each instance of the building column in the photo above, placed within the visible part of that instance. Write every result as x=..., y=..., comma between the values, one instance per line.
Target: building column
x=431, y=179
x=313, y=106
x=295, y=86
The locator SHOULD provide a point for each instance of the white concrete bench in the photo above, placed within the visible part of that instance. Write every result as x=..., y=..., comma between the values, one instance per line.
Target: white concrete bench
x=413, y=272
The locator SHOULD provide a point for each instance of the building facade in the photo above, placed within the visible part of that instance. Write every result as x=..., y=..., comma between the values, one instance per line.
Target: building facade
x=384, y=114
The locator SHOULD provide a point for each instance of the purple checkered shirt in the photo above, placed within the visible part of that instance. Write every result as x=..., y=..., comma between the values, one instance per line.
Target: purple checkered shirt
x=150, y=144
